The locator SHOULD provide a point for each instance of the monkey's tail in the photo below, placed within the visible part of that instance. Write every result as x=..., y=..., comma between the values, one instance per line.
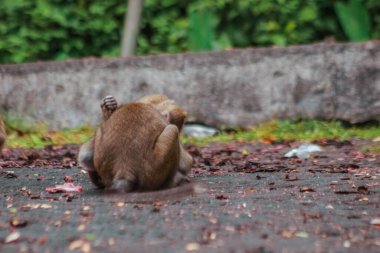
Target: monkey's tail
x=171, y=194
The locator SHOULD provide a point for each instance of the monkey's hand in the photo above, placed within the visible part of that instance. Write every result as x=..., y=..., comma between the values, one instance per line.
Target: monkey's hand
x=108, y=106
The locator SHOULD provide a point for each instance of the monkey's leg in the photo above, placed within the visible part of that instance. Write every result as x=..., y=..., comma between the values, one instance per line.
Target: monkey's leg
x=86, y=155
x=86, y=160
x=166, y=157
x=186, y=161
x=108, y=106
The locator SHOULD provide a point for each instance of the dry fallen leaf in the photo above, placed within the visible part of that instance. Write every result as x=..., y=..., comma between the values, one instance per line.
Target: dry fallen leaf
x=301, y=234
x=68, y=179
x=346, y=244
x=76, y=244
x=245, y=152
x=45, y=206
x=306, y=189
x=193, y=246
x=12, y=237
x=111, y=241
x=18, y=223
x=42, y=240
x=36, y=206
x=287, y=233
x=120, y=204
x=80, y=244
x=375, y=221
x=81, y=227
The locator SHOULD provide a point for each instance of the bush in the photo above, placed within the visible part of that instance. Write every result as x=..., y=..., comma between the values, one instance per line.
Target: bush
x=61, y=29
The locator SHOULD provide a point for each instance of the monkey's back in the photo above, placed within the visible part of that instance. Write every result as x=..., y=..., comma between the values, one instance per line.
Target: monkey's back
x=124, y=145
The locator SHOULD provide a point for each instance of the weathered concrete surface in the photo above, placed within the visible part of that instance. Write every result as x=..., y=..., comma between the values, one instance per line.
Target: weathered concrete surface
x=236, y=88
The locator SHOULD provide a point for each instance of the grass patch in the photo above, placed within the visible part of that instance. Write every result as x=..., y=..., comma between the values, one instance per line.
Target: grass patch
x=44, y=137
x=307, y=130
x=23, y=135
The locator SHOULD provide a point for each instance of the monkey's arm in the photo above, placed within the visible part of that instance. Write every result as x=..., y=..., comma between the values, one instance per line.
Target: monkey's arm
x=86, y=160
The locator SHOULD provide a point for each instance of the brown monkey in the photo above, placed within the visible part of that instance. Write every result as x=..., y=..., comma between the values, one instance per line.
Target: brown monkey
x=174, y=115
x=128, y=154
x=142, y=157
x=2, y=134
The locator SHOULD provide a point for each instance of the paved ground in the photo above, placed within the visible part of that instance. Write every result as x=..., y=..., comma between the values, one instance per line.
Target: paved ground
x=254, y=201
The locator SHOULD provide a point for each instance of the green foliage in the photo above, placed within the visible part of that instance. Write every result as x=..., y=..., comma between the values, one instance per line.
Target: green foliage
x=355, y=20
x=61, y=29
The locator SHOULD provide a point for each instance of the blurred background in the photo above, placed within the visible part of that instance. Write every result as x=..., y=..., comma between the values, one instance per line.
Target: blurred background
x=67, y=29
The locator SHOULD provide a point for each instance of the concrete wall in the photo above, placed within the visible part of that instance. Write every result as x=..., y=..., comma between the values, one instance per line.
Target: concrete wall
x=235, y=88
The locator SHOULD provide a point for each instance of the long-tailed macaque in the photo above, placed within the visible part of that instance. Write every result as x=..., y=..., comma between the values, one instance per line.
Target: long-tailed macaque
x=134, y=149
x=2, y=134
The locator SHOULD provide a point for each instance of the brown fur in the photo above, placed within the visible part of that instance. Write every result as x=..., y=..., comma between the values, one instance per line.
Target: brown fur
x=102, y=177
x=2, y=134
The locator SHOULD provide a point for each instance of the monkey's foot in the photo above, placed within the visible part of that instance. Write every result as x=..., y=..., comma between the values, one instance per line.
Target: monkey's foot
x=121, y=185
x=109, y=104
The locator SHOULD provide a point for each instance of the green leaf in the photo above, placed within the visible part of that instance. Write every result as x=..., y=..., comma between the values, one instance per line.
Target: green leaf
x=201, y=30
x=308, y=14
x=279, y=40
x=354, y=18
